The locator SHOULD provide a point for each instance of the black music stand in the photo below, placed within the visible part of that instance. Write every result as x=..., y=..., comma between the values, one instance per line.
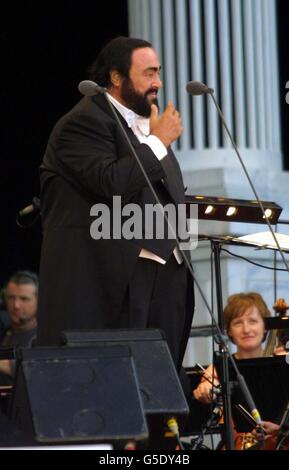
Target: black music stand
x=277, y=323
x=268, y=381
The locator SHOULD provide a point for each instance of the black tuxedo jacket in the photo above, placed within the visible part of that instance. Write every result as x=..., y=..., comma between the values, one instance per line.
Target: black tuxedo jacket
x=87, y=161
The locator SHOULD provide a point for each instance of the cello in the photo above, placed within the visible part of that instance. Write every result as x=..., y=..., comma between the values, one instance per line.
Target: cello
x=277, y=338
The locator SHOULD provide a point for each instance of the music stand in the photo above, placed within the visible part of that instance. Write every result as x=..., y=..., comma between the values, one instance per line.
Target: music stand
x=268, y=382
x=277, y=323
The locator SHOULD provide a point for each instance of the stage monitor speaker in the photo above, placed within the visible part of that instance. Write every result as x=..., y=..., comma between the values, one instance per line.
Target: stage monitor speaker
x=68, y=395
x=159, y=384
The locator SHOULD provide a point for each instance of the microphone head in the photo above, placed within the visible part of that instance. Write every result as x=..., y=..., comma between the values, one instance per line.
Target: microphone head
x=90, y=88
x=198, y=88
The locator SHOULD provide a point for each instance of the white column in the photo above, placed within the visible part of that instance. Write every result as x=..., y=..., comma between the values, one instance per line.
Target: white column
x=210, y=56
x=156, y=33
x=275, y=76
x=276, y=138
x=139, y=19
x=196, y=59
x=260, y=79
x=225, y=66
x=250, y=76
x=238, y=73
x=182, y=50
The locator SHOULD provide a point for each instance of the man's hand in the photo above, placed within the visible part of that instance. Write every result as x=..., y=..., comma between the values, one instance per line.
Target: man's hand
x=270, y=429
x=6, y=367
x=204, y=393
x=168, y=126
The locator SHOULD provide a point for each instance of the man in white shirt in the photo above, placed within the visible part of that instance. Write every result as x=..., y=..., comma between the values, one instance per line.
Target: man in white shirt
x=113, y=282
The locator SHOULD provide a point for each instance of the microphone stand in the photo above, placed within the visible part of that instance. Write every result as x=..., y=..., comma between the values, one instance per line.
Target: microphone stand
x=198, y=88
x=97, y=89
x=226, y=386
x=240, y=378
x=210, y=92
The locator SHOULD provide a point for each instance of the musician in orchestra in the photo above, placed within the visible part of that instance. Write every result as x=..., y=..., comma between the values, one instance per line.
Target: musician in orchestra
x=244, y=317
x=244, y=320
x=20, y=296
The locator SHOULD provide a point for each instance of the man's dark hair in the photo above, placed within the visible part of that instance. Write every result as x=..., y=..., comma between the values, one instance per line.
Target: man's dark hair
x=24, y=277
x=116, y=55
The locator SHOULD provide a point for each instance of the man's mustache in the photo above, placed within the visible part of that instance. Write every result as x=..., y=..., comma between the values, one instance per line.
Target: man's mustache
x=151, y=90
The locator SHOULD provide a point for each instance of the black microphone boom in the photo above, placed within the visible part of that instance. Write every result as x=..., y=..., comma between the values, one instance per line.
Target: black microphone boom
x=90, y=88
x=250, y=402
x=283, y=433
x=198, y=88
x=34, y=207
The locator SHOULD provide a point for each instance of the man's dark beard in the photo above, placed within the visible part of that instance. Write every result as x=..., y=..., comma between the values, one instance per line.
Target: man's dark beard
x=135, y=101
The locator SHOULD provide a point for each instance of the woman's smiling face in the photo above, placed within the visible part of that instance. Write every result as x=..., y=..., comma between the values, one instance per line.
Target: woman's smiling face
x=247, y=330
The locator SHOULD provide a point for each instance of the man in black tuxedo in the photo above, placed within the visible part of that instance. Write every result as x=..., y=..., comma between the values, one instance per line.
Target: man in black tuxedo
x=112, y=282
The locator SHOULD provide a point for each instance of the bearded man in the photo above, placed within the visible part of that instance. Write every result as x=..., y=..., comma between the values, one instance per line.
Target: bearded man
x=117, y=281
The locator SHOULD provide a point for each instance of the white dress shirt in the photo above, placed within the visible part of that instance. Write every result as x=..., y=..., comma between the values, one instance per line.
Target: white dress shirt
x=141, y=128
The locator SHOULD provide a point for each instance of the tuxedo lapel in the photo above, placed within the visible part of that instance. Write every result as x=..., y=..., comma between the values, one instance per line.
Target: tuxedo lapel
x=173, y=181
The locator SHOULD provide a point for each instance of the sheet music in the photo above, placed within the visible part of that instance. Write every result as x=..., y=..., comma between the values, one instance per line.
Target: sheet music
x=265, y=239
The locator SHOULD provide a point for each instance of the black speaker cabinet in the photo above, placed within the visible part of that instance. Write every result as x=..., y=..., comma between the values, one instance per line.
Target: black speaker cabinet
x=159, y=384
x=70, y=395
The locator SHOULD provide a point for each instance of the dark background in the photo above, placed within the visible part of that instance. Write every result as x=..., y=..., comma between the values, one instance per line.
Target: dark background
x=46, y=49
x=283, y=42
